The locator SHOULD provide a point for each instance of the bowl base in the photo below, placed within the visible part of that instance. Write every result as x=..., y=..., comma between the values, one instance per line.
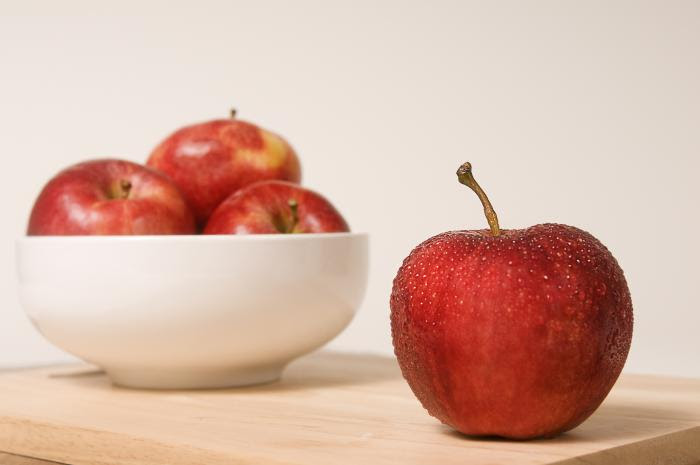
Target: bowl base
x=212, y=378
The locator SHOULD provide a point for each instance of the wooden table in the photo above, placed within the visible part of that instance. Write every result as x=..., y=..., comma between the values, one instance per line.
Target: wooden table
x=329, y=409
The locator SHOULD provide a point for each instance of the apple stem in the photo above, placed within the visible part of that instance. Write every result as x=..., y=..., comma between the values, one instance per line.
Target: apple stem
x=125, y=185
x=464, y=174
x=294, y=207
x=232, y=113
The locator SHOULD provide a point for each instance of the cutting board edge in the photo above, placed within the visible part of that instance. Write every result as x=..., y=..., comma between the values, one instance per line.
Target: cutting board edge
x=684, y=445
x=27, y=432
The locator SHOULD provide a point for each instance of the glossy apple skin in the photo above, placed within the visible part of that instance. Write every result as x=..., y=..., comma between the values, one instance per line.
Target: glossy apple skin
x=520, y=335
x=263, y=208
x=211, y=160
x=80, y=200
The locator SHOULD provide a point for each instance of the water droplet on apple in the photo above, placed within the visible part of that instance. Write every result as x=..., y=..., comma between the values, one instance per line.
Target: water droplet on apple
x=602, y=288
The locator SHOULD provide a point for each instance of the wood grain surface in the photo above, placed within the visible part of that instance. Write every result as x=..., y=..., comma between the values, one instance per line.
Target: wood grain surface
x=329, y=409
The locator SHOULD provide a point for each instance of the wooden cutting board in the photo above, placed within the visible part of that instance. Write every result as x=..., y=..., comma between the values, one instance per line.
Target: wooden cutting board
x=329, y=409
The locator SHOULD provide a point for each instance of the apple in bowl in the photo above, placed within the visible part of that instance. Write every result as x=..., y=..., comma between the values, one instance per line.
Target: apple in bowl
x=275, y=207
x=110, y=197
x=211, y=160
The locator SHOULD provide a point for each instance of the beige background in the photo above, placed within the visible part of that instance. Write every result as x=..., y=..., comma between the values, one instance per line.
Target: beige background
x=581, y=112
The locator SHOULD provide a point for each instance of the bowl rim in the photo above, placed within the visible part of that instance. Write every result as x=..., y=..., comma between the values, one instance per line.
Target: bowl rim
x=192, y=237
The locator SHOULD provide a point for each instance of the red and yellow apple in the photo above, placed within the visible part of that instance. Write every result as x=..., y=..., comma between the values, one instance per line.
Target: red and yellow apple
x=515, y=333
x=275, y=207
x=110, y=197
x=209, y=161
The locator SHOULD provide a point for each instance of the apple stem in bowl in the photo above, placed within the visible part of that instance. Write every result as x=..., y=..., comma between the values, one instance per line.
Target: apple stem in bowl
x=294, y=207
x=464, y=174
x=232, y=113
x=123, y=190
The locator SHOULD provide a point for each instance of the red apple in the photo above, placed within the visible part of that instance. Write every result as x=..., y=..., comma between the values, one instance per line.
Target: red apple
x=515, y=333
x=211, y=160
x=110, y=197
x=275, y=207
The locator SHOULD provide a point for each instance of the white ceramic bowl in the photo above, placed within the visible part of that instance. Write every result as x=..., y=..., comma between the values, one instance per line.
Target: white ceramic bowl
x=192, y=311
